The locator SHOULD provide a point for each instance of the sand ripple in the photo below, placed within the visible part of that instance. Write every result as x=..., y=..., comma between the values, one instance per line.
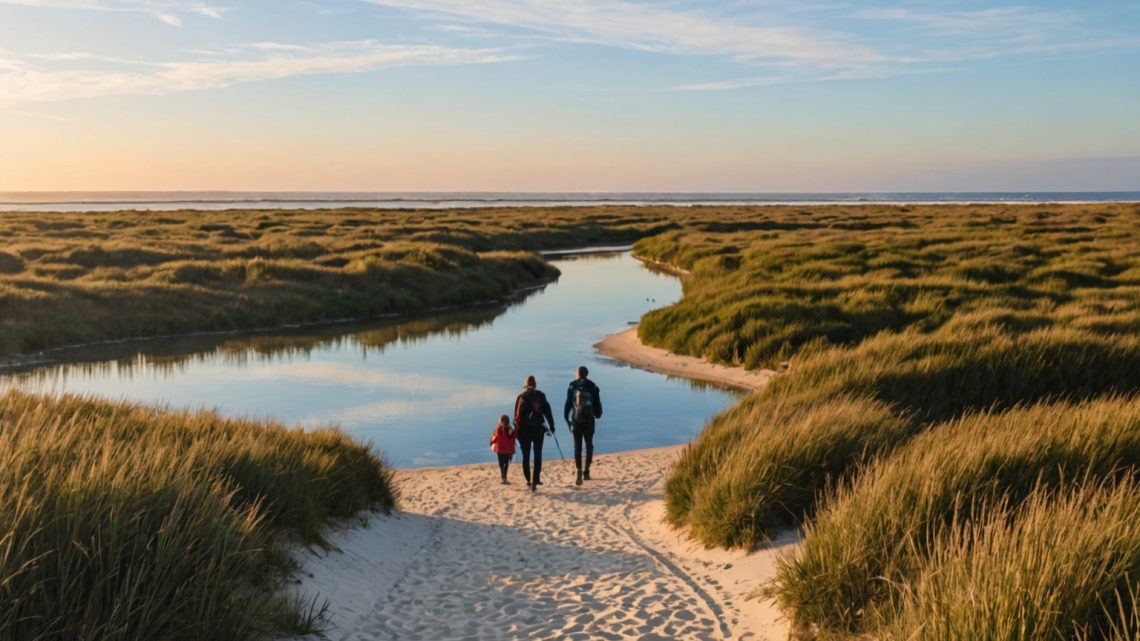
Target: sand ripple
x=491, y=562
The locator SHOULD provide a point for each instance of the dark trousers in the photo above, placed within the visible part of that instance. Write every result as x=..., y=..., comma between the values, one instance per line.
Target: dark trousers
x=528, y=437
x=583, y=432
x=504, y=461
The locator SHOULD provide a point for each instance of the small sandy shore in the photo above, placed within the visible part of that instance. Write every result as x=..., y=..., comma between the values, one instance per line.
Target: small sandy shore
x=627, y=347
x=468, y=558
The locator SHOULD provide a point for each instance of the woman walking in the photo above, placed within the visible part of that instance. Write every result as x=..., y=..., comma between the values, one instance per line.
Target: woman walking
x=531, y=409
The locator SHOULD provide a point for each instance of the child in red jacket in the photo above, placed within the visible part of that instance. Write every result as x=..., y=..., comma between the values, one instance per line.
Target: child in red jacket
x=503, y=444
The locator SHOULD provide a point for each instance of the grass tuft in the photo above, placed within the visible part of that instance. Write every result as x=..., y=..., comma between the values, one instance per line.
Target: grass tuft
x=126, y=522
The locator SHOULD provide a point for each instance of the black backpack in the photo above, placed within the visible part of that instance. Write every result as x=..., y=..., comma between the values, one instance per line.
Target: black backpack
x=583, y=409
x=531, y=411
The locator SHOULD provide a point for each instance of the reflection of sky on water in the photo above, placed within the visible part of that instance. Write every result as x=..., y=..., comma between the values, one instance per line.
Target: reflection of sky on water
x=425, y=392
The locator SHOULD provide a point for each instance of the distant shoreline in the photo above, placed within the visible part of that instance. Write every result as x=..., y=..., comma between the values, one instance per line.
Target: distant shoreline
x=626, y=346
x=45, y=201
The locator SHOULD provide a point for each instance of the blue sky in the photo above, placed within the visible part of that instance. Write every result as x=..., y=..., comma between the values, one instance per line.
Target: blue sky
x=595, y=95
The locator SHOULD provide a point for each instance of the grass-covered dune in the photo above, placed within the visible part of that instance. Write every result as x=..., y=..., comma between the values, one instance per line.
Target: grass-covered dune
x=957, y=378
x=68, y=278
x=762, y=465
x=868, y=555
x=120, y=521
x=762, y=289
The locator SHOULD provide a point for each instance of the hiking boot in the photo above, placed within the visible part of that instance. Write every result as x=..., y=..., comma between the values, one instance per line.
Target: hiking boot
x=532, y=487
x=586, y=475
x=506, y=482
x=538, y=482
x=578, y=481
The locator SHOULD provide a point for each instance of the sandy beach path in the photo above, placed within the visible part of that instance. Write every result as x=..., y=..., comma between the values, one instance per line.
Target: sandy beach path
x=471, y=559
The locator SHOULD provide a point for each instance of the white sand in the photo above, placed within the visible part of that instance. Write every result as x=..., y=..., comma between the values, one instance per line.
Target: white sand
x=468, y=558
x=628, y=348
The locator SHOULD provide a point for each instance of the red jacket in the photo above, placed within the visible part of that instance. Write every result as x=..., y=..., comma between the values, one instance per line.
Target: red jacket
x=503, y=440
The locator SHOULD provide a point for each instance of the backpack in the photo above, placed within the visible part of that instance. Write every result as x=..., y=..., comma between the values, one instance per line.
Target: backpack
x=583, y=409
x=531, y=412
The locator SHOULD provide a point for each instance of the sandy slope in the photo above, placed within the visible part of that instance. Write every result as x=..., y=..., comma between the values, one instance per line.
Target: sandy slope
x=468, y=558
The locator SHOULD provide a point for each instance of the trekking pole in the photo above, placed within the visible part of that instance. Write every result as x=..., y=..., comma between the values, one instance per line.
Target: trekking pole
x=559, y=445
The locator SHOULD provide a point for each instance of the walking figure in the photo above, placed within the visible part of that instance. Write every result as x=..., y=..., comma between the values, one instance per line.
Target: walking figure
x=503, y=444
x=531, y=409
x=583, y=406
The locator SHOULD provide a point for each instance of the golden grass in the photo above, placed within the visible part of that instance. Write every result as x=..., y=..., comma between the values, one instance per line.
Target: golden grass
x=1016, y=522
x=120, y=521
x=68, y=278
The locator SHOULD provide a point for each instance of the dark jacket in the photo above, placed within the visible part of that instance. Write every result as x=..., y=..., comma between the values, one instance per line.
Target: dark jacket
x=595, y=393
x=539, y=407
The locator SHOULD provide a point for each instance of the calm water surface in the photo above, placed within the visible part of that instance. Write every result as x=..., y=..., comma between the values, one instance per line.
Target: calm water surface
x=427, y=391
x=215, y=200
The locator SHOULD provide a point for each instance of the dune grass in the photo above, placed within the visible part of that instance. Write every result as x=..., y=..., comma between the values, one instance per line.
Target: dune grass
x=757, y=468
x=928, y=313
x=1057, y=566
x=956, y=380
x=70, y=278
x=120, y=521
x=873, y=539
x=836, y=276
x=763, y=465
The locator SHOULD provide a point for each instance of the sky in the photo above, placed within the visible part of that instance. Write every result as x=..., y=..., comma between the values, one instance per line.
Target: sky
x=569, y=95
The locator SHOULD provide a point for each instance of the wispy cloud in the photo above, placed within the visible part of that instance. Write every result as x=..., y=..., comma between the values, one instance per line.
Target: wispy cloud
x=1016, y=23
x=768, y=38
x=653, y=27
x=167, y=11
x=846, y=74
x=22, y=81
x=960, y=35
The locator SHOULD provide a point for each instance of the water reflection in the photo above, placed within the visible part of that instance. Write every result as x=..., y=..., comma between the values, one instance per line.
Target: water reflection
x=172, y=356
x=425, y=391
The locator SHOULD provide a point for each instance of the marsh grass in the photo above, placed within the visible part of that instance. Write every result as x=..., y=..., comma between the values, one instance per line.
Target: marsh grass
x=956, y=432
x=841, y=275
x=120, y=521
x=873, y=536
x=757, y=468
x=764, y=465
x=1057, y=566
x=69, y=278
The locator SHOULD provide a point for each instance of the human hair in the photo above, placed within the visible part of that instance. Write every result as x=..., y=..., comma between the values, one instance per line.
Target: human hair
x=530, y=383
x=583, y=372
x=504, y=420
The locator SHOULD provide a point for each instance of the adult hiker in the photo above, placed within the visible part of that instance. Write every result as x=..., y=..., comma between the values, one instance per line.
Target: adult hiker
x=531, y=408
x=583, y=406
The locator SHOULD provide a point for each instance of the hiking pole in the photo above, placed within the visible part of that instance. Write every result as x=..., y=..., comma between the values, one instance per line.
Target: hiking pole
x=557, y=444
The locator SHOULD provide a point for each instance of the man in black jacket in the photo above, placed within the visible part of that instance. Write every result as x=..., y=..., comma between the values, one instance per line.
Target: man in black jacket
x=531, y=407
x=583, y=406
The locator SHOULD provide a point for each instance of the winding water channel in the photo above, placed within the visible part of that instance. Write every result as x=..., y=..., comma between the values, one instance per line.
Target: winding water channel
x=424, y=391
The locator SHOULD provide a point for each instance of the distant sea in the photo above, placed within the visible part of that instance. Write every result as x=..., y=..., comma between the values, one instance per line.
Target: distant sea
x=170, y=200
